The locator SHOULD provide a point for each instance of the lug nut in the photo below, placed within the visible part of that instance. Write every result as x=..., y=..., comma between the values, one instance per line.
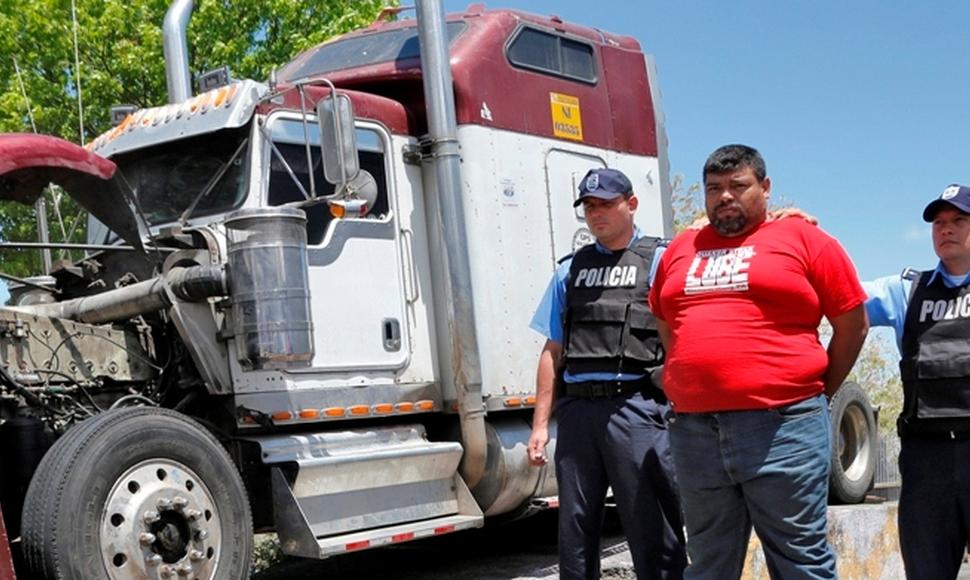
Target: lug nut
x=146, y=539
x=185, y=569
x=165, y=572
x=163, y=504
x=154, y=560
x=196, y=555
x=201, y=535
x=179, y=502
x=193, y=515
x=151, y=516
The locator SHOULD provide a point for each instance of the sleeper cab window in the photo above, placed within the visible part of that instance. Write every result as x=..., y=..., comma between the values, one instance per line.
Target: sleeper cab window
x=552, y=54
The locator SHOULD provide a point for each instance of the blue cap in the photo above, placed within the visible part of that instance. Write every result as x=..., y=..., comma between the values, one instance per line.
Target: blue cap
x=955, y=195
x=604, y=184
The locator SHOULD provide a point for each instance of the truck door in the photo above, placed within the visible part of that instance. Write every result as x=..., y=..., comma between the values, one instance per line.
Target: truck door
x=564, y=170
x=355, y=265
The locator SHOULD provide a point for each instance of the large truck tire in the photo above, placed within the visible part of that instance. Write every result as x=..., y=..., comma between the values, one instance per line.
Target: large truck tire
x=853, y=445
x=137, y=493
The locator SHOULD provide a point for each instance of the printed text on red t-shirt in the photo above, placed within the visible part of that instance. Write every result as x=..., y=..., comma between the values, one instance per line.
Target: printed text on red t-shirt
x=719, y=270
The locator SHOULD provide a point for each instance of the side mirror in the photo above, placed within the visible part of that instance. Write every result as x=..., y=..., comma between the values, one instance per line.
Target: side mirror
x=338, y=139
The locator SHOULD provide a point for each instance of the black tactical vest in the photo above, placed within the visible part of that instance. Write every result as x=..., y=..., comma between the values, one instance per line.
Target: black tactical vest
x=608, y=327
x=935, y=364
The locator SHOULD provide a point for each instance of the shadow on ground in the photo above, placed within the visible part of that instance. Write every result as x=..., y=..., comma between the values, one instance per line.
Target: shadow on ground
x=521, y=549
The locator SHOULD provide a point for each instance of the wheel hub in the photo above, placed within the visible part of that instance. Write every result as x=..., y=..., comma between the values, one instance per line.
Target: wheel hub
x=173, y=535
x=160, y=521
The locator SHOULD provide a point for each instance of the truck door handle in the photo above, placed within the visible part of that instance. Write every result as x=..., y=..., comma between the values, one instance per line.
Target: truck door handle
x=392, y=334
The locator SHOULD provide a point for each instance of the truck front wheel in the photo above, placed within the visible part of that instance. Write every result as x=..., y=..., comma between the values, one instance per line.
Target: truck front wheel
x=137, y=493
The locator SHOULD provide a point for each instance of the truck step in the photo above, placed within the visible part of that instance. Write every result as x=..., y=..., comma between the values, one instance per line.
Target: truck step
x=364, y=487
x=396, y=534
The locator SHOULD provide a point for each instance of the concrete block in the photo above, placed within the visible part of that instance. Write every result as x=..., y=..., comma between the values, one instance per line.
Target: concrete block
x=866, y=542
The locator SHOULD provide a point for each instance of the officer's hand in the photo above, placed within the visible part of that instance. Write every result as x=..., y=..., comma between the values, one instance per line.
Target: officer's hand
x=699, y=223
x=789, y=212
x=537, y=446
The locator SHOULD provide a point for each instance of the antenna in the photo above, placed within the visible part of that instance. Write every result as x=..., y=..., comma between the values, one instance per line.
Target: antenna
x=77, y=73
x=23, y=90
x=40, y=208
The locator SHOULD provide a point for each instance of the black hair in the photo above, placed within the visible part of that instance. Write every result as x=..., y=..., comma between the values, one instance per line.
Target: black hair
x=733, y=157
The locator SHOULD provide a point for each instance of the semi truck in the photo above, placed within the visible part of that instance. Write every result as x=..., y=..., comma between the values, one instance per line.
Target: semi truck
x=303, y=302
x=303, y=305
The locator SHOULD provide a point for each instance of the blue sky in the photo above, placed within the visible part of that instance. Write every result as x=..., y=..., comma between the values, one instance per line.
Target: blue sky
x=859, y=107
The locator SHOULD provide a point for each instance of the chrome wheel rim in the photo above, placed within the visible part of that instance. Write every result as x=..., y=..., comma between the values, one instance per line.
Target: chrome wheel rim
x=160, y=522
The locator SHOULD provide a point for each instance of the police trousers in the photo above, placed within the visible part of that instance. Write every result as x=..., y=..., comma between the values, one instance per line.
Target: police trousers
x=619, y=442
x=934, y=505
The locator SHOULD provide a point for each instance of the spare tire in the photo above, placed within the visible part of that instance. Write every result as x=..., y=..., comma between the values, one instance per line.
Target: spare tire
x=853, y=463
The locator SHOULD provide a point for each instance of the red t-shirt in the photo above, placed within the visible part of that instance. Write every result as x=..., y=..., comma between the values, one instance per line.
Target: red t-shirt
x=745, y=311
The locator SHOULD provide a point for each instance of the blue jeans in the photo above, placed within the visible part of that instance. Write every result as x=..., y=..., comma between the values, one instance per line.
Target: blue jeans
x=766, y=468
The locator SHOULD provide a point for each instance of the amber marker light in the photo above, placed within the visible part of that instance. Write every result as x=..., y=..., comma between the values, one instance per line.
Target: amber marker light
x=282, y=416
x=358, y=410
x=405, y=407
x=425, y=405
x=513, y=402
x=220, y=97
x=334, y=412
x=309, y=414
x=530, y=400
x=383, y=408
x=338, y=211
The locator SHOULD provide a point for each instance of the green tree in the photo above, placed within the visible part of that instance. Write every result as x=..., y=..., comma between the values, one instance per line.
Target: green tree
x=120, y=53
x=686, y=201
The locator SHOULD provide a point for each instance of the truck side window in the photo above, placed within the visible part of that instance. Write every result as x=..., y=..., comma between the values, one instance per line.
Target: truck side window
x=552, y=54
x=282, y=188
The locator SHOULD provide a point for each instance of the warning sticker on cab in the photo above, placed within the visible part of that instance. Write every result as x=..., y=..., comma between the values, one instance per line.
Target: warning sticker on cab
x=566, y=120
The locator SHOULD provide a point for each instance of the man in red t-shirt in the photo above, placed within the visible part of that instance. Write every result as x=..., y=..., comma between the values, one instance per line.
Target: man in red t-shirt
x=738, y=304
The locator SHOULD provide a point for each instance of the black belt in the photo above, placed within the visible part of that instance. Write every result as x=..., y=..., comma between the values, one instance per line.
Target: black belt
x=961, y=435
x=602, y=389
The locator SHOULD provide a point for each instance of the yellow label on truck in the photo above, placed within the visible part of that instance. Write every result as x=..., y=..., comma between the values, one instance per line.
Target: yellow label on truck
x=566, y=120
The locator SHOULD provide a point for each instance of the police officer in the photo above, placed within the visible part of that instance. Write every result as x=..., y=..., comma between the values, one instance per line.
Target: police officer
x=930, y=312
x=595, y=367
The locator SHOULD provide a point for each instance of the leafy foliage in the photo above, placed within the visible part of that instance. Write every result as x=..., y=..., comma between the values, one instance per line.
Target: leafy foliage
x=687, y=203
x=120, y=53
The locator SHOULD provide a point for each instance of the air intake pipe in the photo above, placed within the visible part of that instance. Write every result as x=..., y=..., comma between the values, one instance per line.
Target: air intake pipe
x=175, y=48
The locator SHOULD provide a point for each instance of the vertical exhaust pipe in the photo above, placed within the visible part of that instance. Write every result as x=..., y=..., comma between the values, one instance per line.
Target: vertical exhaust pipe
x=175, y=48
x=443, y=132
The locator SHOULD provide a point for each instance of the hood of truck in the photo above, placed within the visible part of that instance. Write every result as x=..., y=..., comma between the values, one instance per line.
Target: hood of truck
x=29, y=163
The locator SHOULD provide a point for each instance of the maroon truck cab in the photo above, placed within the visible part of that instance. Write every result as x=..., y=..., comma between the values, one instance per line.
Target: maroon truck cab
x=501, y=61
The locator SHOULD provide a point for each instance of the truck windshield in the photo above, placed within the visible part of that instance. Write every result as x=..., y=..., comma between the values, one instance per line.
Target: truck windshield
x=393, y=45
x=168, y=178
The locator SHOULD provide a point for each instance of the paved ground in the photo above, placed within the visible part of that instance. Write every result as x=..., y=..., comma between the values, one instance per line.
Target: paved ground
x=522, y=550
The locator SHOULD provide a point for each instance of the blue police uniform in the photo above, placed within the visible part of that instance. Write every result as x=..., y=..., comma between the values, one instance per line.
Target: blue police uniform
x=617, y=441
x=934, y=504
